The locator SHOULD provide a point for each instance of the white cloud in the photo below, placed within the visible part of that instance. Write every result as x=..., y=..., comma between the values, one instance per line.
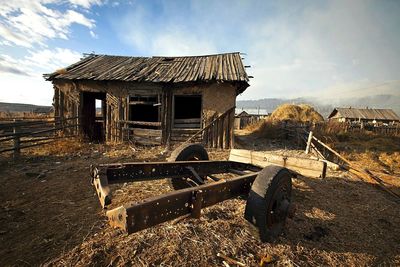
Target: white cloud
x=50, y=60
x=85, y=3
x=23, y=77
x=25, y=23
x=40, y=61
x=93, y=34
x=25, y=89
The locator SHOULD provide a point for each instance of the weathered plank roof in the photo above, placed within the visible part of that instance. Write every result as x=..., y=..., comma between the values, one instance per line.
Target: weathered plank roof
x=219, y=67
x=366, y=114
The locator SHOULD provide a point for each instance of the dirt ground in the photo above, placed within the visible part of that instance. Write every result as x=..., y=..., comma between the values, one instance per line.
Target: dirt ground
x=50, y=215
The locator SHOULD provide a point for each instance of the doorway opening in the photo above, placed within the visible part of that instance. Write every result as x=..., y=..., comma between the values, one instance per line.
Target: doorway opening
x=94, y=116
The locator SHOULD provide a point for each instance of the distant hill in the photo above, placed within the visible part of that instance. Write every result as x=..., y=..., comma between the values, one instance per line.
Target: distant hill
x=324, y=106
x=17, y=107
x=268, y=105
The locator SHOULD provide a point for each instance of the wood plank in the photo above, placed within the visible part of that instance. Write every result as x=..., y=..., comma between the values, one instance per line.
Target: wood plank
x=194, y=120
x=184, y=131
x=187, y=125
x=147, y=141
x=142, y=103
x=221, y=133
x=303, y=166
x=143, y=123
x=146, y=132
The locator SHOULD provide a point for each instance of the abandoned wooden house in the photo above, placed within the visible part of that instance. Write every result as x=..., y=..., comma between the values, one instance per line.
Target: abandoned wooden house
x=157, y=100
x=244, y=118
x=367, y=115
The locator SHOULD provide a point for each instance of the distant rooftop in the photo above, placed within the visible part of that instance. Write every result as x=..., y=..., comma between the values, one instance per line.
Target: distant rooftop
x=366, y=114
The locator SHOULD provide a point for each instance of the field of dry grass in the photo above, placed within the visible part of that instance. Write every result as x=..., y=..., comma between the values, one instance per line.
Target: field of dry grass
x=48, y=205
x=23, y=115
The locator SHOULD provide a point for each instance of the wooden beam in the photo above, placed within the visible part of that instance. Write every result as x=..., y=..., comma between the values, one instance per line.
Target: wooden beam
x=303, y=166
x=143, y=123
x=142, y=103
x=187, y=125
x=194, y=120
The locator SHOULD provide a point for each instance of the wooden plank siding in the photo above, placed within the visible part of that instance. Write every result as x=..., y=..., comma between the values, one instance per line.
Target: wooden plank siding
x=218, y=79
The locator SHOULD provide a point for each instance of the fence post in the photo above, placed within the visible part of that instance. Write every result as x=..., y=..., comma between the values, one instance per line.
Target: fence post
x=309, y=142
x=16, y=140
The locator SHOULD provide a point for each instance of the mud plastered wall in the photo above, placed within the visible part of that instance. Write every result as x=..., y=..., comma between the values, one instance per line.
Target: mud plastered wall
x=217, y=98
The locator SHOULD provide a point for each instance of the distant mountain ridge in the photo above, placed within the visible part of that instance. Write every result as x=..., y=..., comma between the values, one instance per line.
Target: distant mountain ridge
x=18, y=107
x=325, y=106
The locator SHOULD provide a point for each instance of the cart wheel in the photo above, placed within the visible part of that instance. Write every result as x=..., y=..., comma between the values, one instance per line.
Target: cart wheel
x=187, y=152
x=269, y=201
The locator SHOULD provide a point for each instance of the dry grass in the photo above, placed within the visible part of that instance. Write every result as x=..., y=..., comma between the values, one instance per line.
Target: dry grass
x=23, y=115
x=60, y=147
x=297, y=113
x=266, y=128
x=375, y=151
x=339, y=221
x=324, y=231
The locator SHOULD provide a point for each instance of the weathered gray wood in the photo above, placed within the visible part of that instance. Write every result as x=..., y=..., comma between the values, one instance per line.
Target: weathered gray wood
x=303, y=166
x=309, y=140
x=194, y=120
x=211, y=124
x=221, y=132
x=231, y=133
x=169, y=108
x=333, y=151
x=142, y=102
x=227, y=131
x=187, y=125
x=61, y=113
x=215, y=135
x=143, y=123
x=56, y=104
x=146, y=132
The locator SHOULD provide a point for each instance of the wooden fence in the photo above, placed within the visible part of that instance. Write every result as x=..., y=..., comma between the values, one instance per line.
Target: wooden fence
x=336, y=127
x=218, y=133
x=19, y=134
x=382, y=130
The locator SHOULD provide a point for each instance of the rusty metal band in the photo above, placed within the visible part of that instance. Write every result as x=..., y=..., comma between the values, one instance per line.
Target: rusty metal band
x=140, y=171
x=163, y=208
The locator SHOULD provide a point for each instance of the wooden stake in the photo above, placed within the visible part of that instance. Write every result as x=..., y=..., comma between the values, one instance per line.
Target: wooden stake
x=309, y=140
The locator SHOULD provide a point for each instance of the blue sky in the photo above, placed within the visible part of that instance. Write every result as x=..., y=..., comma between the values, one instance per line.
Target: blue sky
x=295, y=48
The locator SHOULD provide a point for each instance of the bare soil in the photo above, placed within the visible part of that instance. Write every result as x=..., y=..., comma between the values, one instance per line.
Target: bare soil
x=50, y=215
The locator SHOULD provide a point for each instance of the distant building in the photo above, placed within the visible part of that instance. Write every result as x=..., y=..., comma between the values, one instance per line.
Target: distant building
x=243, y=119
x=367, y=115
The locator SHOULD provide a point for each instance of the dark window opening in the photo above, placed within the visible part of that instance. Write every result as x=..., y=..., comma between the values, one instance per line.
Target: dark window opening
x=144, y=109
x=187, y=111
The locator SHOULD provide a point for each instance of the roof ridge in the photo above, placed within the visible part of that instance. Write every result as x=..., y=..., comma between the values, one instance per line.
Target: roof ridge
x=205, y=55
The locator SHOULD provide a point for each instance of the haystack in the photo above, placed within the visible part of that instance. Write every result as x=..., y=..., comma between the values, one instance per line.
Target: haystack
x=298, y=113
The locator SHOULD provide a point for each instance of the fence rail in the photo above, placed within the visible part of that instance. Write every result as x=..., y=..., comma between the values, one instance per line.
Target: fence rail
x=19, y=134
x=390, y=130
x=218, y=133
